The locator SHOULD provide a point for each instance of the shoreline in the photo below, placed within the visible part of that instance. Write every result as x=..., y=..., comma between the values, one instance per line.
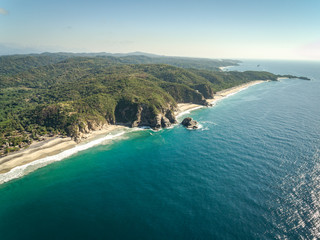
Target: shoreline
x=185, y=108
x=40, y=154
x=54, y=149
x=50, y=146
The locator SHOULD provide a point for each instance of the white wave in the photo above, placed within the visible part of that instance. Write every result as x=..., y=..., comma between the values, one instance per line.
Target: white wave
x=214, y=102
x=156, y=130
x=193, y=129
x=23, y=170
x=209, y=122
x=20, y=171
x=142, y=128
x=188, y=111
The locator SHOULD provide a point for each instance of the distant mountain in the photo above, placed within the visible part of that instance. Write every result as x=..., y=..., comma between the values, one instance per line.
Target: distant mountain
x=14, y=62
x=136, y=54
x=185, y=62
x=10, y=50
x=96, y=54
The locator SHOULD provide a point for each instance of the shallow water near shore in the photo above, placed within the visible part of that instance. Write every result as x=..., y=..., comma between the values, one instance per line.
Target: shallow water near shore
x=251, y=172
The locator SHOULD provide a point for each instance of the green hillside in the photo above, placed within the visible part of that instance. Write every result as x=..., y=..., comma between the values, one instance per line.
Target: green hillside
x=56, y=94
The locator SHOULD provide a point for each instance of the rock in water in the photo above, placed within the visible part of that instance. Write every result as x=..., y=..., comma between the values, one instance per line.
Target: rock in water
x=188, y=122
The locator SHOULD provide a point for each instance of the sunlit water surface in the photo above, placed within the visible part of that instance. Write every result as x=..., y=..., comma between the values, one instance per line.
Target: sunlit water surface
x=251, y=172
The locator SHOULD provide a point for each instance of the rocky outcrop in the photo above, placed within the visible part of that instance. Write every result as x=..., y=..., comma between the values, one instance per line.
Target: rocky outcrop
x=132, y=115
x=205, y=90
x=188, y=122
x=135, y=115
x=162, y=121
x=147, y=117
x=79, y=131
x=206, y=103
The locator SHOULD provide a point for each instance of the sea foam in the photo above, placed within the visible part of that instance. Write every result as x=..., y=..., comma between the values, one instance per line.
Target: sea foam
x=188, y=111
x=23, y=170
x=20, y=171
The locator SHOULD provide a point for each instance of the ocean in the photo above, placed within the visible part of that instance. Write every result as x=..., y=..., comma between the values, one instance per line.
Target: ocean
x=252, y=171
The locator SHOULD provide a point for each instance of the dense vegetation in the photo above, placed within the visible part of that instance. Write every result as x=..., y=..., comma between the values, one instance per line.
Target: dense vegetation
x=50, y=94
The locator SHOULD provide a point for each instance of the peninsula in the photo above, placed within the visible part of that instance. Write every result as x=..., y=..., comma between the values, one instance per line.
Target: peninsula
x=62, y=99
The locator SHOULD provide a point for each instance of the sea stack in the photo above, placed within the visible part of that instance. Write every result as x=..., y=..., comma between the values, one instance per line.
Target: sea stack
x=188, y=122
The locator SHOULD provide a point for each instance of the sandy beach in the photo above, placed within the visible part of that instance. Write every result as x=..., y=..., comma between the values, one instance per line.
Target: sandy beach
x=230, y=91
x=49, y=147
x=42, y=153
x=184, y=108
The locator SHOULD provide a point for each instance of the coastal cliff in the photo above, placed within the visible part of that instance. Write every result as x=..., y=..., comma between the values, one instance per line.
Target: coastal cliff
x=87, y=131
x=67, y=95
x=127, y=114
x=135, y=114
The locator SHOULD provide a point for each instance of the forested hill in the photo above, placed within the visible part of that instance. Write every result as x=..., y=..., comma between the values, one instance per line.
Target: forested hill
x=63, y=94
x=17, y=63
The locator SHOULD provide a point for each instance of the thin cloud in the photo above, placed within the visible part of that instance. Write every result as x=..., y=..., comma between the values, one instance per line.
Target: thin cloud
x=3, y=11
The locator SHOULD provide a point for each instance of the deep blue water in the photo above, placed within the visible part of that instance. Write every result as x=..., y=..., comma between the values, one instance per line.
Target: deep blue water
x=251, y=172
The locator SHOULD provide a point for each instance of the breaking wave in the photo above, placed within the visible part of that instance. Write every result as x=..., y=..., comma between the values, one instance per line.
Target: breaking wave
x=23, y=170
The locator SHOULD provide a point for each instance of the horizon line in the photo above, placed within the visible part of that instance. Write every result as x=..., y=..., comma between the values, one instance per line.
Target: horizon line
x=158, y=55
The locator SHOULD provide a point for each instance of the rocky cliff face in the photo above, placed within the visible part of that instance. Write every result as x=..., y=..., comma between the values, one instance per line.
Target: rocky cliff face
x=134, y=114
x=129, y=114
x=163, y=119
x=79, y=131
x=144, y=115
x=205, y=90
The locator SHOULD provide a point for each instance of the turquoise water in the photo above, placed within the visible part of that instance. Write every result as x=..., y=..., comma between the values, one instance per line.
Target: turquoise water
x=251, y=172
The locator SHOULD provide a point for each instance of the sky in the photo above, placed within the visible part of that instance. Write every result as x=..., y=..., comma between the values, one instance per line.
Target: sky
x=273, y=29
